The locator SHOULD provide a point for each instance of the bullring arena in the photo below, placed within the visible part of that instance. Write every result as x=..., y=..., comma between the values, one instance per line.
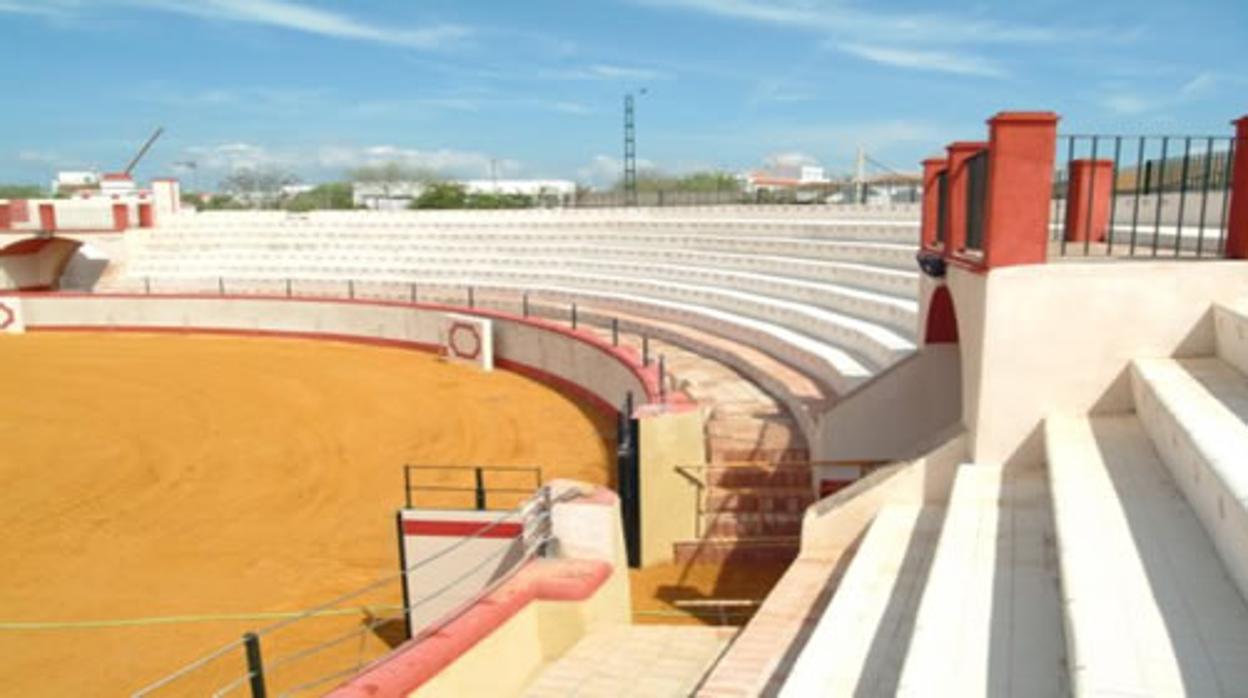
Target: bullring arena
x=985, y=444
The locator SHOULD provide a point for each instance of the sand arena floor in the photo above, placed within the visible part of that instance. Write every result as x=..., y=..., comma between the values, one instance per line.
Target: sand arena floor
x=162, y=475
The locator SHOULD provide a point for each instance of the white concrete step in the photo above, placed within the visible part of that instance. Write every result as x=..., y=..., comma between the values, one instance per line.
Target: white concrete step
x=860, y=641
x=1149, y=609
x=1196, y=412
x=989, y=623
x=1231, y=326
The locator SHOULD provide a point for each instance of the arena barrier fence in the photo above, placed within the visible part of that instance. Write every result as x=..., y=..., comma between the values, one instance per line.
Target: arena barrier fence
x=450, y=485
x=508, y=300
x=318, y=648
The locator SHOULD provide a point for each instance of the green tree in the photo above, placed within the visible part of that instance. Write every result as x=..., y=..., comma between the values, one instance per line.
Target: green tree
x=389, y=174
x=257, y=186
x=441, y=195
x=22, y=191
x=329, y=196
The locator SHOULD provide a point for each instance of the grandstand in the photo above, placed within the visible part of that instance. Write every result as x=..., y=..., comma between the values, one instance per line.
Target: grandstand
x=1011, y=468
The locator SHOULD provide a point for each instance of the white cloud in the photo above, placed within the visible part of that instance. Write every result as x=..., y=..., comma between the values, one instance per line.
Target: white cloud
x=839, y=18
x=606, y=73
x=332, y=159
x=1200, y=86
x=604, y=170
x=283, y=14
x=935, y=61
x=789, y=160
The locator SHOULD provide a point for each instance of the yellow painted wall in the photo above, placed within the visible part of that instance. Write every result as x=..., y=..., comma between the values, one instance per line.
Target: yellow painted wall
x=669, y=496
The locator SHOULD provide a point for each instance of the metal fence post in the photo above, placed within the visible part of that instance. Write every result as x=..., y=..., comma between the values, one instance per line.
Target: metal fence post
x=351, y=288
x=574, y=315
x=645, y=350
x=147, y=285
x=288, y=288
x=662, y=379
x=526, y=305
x=480, y=491
x=413, y=293
x=615, y=332
x=255, y=666
x=472, y=299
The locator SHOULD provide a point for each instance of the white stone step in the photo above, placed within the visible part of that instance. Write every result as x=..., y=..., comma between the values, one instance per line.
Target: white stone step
x=1231, y=326
x=860, y=641
x=1196, y=413
x=989, y=623
x=1149, y=609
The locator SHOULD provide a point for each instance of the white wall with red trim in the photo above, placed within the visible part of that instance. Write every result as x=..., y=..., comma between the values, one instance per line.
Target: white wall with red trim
x=576, y=361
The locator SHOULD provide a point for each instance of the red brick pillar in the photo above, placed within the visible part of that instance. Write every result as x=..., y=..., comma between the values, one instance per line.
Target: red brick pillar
x=121, y=217
x=1088, y=196
x=47, y=217
x=955, y=211
x=932, y=167
x=146, y=219
x=1237, y=222
x=1020, y=186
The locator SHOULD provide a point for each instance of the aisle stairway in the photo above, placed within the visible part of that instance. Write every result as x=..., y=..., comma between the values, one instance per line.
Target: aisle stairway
x=1119, y=566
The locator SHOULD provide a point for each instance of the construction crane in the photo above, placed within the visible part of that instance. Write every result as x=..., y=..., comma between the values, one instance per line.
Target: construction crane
x=143, y=151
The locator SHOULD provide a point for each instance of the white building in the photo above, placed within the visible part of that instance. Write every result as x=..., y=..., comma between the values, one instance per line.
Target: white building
x=69, y=182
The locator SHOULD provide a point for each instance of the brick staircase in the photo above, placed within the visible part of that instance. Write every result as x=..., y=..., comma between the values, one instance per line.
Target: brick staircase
x=750, y=512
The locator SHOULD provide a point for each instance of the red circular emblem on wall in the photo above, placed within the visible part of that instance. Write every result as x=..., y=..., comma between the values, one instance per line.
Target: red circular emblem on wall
x=464, y=341
x=7, y=317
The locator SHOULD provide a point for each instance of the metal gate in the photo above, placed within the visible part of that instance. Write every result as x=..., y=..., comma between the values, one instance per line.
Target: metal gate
x=628, y=481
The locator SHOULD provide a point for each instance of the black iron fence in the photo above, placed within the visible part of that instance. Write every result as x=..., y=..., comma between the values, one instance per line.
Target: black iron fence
x=478, y=487
x=1141, y=196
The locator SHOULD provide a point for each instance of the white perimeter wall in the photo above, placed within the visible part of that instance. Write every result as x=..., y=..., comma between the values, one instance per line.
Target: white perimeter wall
x=552, y=351
x=1058, y=338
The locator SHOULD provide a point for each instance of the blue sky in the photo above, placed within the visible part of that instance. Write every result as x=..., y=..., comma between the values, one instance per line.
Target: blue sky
x=316, y=87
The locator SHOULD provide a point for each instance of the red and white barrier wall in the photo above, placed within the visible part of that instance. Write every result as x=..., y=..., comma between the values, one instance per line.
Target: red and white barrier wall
x=575, y=361
x=95, y=214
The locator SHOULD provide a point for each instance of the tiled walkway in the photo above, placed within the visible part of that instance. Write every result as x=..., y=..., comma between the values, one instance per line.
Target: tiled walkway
x=654, y=661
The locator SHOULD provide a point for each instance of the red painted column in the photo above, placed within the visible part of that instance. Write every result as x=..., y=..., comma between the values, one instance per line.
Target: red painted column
x=1020, y=186
x=47, y=217
x=121, y=217
x=1237, y=222
x=955, y=212
x=6, y=216
x=146, y=219
x=1088, y=196
x=932, y=167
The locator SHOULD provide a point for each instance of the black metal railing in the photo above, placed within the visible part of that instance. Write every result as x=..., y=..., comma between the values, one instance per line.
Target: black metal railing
x=479, y=487
x=1141, y=196
x=976, y=198
x=942, y=207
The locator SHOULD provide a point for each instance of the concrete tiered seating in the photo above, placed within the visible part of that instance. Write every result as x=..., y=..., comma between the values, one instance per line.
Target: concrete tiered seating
x=1196, y=411
x=1149, y=609
x=833, y=298
x=989, y=623
x=860, y=642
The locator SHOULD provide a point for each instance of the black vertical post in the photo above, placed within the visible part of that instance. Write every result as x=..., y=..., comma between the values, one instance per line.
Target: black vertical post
x=615, y=332
x=413, y=292
x=288, y=288
x=480, y=488
x=255, y=666
x=221, y=285
x=628, y=484
x=407, y=485
x=662, y=379
x=472, y=298
x=574, y=315
x=645, y=350
x=407, y=602
x=351, y=288
x=1161, y=192
x=525, y=303
x=1178, y=230
x=147, y=285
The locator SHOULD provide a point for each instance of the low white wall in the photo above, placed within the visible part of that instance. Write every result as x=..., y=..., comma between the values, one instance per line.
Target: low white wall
x=1057, y=339
x=895, y=414
x=574, y=360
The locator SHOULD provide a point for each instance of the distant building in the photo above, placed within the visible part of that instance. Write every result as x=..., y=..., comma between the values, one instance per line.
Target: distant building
x=395, y=196
x=68, y=183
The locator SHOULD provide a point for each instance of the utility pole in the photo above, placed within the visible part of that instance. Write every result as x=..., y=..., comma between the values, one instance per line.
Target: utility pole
x=630, y=152
x=860, y=177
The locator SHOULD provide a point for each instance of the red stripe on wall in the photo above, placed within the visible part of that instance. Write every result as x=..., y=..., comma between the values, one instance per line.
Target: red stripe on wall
x=462, y=529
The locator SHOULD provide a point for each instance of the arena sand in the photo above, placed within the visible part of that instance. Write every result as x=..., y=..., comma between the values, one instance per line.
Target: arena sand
x=183, y=475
